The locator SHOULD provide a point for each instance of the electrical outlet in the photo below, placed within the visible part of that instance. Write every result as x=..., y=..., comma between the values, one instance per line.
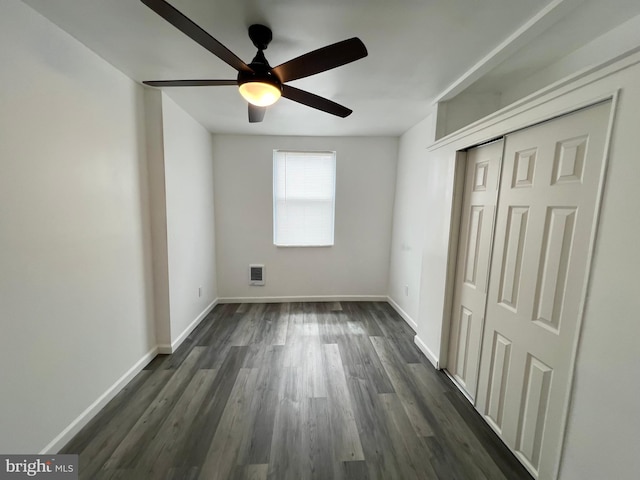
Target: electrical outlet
x=406, y=290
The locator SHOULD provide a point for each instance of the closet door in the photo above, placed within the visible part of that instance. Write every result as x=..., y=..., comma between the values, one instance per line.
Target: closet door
x=474, y=249
x=544, y=231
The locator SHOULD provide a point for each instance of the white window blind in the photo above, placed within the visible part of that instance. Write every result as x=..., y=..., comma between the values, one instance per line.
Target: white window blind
x=304, y=185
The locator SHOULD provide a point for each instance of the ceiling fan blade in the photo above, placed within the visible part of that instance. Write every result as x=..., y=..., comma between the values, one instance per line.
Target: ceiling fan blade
x=189, y=83
x=189, y=28
x=315, y=101
x=320, y=60
x=256, y=114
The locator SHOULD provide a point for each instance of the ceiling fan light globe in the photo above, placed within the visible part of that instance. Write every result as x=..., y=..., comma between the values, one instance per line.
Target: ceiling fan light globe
x=260, y=94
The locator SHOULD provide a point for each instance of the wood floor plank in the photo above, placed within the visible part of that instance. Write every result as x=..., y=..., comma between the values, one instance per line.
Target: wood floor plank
x=356, y=470
x=126, y=455
x=186, y=473
x=282, y=326
x=221, y=458
x=446, y=464
x=330, y=325
x=448, y=427
x=106, y=433
x=251, y=472
x=157, y=362
x=303, y=351
x=418, y=458
x=297, y=330
x=100, y=423
x=256, y=447
x=118, y=474
x=358, y=351
x=159, y=454
x=428, y=380
x=373, y=431
x=243, y=307
x=194, y=449
x=312, y=370
x=396, y=328
x=216, y=340
x=266, y=331
x=248, y=325
x=403, y=389
x=203, y=329
x=195, y=337
x=284, y=461
x=300, y=391
x=403, y=468
x=344, y=430
x=317, y=434
x=361, y=312
x=508, y=463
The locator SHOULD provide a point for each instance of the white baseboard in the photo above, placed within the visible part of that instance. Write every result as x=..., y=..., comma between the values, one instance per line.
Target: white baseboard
x=85, y=417
x=427, y=353
x=405, y=316
x=313, y=298
x=168, y=349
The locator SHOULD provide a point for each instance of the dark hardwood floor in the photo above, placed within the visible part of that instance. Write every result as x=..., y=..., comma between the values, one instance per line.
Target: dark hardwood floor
x=293, y=391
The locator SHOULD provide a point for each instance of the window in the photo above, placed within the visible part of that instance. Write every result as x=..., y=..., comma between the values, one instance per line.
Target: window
x=304, y=186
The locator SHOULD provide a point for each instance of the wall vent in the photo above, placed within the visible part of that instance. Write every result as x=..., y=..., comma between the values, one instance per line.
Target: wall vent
x=256, y=274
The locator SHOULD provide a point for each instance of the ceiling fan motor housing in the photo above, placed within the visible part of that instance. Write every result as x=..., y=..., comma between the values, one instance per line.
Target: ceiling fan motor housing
x=259, y=75
x=260, y=35
x=261, y=70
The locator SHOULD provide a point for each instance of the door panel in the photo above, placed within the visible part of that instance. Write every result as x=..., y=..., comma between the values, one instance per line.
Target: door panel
x=553, y=268
x=546, y=210
x=476, y=229
x=516, y=229
x=500, y=357
x=533, y=408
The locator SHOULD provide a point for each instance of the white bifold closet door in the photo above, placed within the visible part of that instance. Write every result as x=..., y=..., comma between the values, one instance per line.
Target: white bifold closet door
x=482, y=175
x=543, y=240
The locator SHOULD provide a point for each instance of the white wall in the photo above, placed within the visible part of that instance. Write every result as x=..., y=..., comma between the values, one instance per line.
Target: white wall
x=618, y=41
x=189, y=189
x=358, y=263
x=465, y=109
x=438, y=184
x=154, y=130
x=603, y=432
x=408, y=222
x=180, y=166
x=75, y=273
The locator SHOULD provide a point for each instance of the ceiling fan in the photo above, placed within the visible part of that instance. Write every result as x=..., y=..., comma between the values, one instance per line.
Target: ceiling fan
x=259, y=83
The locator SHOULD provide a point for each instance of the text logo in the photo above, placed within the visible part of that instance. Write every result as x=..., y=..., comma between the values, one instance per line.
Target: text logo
x=51, y=467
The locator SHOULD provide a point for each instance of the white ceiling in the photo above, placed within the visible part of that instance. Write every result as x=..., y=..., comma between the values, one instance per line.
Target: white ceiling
x=417, y=49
